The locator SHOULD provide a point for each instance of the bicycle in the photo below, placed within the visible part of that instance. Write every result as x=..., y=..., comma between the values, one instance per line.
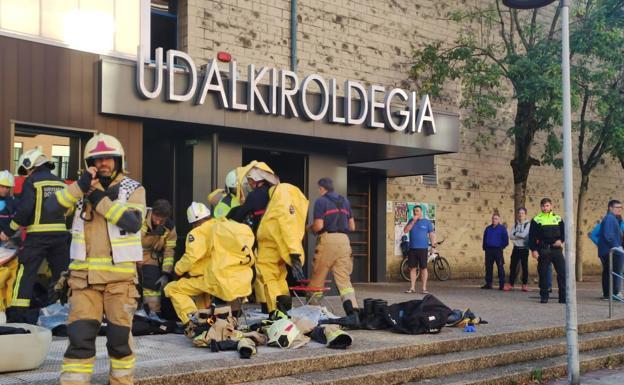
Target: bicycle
x=441, y=267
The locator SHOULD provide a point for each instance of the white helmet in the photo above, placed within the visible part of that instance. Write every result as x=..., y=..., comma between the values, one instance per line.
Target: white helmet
x=283, y=333
x=31, y=159
x=257, y=174
x=104, y=146
x=196, y=212
x=231, y=180
x=6, y=179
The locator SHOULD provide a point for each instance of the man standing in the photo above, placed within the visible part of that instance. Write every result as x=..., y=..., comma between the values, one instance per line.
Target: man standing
x=158, y=237
x=105, y=248
x=495, y=239
x=47, y=236
x=546, y=238
x=610, y=236
x=421, y=232
x=333, y=220
x=520, y=253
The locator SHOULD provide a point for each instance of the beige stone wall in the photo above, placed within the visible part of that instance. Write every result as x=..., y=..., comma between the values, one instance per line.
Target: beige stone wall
x=372, y=41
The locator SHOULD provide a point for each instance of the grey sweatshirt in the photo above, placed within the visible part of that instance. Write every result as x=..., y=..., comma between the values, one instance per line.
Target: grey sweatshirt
x=520, y=234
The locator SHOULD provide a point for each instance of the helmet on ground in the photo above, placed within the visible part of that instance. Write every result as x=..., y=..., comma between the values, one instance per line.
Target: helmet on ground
x=455, y=318
x=231, y=180
x=282, y=333
x=197, y=211
x=104, y=146
x=31, y=159
x=6, y=179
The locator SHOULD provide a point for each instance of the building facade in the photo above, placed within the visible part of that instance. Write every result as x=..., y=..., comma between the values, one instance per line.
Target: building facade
x=184, y=129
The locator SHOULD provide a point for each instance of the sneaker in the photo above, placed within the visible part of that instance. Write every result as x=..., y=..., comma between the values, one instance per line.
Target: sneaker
x=508, y=287
x=486, y=287
x=604, y=297
x=525, y=287
x=617, y=297
x=544, y=300
x=550, y=290
x=562, y=300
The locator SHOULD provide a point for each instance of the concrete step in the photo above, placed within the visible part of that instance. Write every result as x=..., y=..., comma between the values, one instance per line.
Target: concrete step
x=432, y=366
x=542, y=370
x=296, y=363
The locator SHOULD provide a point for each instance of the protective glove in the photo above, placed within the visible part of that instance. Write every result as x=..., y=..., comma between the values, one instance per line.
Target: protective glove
x=60, y=289
x=162, y=282
x=84, y=182
x=296, y=268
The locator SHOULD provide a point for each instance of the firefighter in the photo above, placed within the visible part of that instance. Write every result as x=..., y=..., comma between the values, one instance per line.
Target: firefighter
x=158, y=237
x=8, y=266
x=333, y=220
x=105, y=249
x=228, y=198
x=47, y=236
x=191, y=267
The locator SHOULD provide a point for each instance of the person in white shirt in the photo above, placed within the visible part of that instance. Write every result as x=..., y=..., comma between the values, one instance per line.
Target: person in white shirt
x=520, y=254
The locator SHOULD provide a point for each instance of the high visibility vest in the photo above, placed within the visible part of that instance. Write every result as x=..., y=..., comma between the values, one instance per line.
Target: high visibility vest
x=126, y=247
x=223, y=208
x=550, y=225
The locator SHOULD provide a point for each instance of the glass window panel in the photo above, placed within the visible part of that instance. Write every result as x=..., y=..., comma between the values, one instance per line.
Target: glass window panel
x=20, y=16
x=53, y=14
x=127, y=25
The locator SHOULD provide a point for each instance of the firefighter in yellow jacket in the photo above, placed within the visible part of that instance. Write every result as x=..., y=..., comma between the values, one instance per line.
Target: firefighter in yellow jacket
x=105, y=248
x=158, y=237
x=192, y=265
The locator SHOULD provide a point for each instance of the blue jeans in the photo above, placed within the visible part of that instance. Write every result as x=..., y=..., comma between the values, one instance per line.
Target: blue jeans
x=618, y=262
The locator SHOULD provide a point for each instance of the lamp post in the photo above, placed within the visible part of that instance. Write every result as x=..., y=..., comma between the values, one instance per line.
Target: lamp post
x=568, y=199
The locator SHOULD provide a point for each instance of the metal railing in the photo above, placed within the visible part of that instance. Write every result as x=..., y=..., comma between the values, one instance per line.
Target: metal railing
x=611, y=274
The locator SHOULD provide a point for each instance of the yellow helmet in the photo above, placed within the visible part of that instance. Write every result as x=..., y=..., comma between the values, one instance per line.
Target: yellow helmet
x=31, y=159
x=6, y=179
x=104, y=146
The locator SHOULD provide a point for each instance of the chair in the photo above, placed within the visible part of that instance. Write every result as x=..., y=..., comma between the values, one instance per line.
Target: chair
x=310, y=291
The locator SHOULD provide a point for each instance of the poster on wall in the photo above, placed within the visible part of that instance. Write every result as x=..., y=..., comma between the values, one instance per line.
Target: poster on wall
x=403, y=213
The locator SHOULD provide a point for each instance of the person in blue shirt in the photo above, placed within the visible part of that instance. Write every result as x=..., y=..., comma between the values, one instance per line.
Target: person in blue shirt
x=610, y=236
x=495, y=239
x=420, y=232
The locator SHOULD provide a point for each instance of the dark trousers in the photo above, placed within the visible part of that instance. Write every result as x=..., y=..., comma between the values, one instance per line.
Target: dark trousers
x=546, y=258
x=52, y=248
x=519, y=256
x=492, y=256
x=617, y=268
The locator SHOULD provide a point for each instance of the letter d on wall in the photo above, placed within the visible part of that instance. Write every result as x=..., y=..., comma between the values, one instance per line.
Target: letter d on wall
x=192, y=72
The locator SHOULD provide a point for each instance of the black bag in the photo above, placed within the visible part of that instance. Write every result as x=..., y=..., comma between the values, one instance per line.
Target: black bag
x=428, y=315
x=143, y=326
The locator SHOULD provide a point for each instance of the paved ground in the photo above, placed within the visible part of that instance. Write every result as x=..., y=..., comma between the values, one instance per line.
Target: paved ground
x=505, y=311
x=600, y=377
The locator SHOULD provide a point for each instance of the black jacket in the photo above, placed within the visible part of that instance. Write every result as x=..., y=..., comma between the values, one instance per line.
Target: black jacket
x=31, y=213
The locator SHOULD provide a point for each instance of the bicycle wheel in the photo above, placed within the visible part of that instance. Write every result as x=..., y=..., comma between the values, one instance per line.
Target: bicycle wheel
x=441, y=269
x=405, y=270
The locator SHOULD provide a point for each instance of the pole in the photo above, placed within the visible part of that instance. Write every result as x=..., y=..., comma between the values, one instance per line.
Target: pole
x=568, y=199
x=610, y=283
x=214, y=162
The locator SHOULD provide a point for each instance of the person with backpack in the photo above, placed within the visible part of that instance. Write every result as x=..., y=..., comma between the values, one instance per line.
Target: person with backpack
x=609, y=237
x=520, y=254
x=333, y=221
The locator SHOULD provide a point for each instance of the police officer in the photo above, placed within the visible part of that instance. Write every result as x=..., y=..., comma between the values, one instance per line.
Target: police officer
x=228, y=199
x=106, y=246
x=158, y=238
x=333, y=220
x=546, y=237
x=47, y=236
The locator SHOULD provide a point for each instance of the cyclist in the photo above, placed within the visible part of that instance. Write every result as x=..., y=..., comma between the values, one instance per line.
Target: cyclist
x=421, y=232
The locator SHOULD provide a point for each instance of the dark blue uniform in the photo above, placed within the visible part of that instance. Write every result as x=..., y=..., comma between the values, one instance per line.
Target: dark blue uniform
x=335, y=211
x=253, y=209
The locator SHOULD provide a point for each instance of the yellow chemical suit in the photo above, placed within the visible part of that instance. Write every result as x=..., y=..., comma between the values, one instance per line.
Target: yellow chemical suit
x=7, y=280
x=105, y=248
x=280, y=234
x=229, y=271
x=158, y=253
x=193, y=263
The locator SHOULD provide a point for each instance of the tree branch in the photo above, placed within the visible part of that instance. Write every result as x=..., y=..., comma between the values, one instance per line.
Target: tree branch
x=551, y=33
x=525, y=43
x=533, y=26
x=502, y=27
x=582, y=127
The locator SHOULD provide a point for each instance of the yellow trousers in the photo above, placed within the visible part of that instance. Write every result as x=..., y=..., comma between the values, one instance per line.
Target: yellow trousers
x=7, y=280
x=181, y=293
x=272, y=273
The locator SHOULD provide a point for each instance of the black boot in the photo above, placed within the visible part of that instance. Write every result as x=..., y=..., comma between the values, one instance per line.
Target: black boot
x=352, y=319
x=284, y=303
x=368, y=311
x=378, y=320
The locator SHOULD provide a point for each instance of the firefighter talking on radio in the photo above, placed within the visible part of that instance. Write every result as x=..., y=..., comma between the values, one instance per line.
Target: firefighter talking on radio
x=105, y=248
x=47, y=236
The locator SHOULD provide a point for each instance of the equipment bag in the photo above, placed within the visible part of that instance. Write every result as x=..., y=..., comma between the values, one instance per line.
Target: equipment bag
x=426, y=316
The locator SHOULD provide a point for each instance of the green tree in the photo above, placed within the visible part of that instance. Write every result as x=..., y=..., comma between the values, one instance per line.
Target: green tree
x=597, y=72
x=496, y=48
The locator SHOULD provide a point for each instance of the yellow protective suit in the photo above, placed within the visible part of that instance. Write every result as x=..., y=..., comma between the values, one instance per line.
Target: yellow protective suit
x=280, y=234
x=241, y=174
x=193, y=263
x=8, y=271
x=229, y=271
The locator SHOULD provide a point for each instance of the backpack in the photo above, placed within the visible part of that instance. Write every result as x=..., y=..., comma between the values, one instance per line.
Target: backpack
x=426, y=316
x=594, y=235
